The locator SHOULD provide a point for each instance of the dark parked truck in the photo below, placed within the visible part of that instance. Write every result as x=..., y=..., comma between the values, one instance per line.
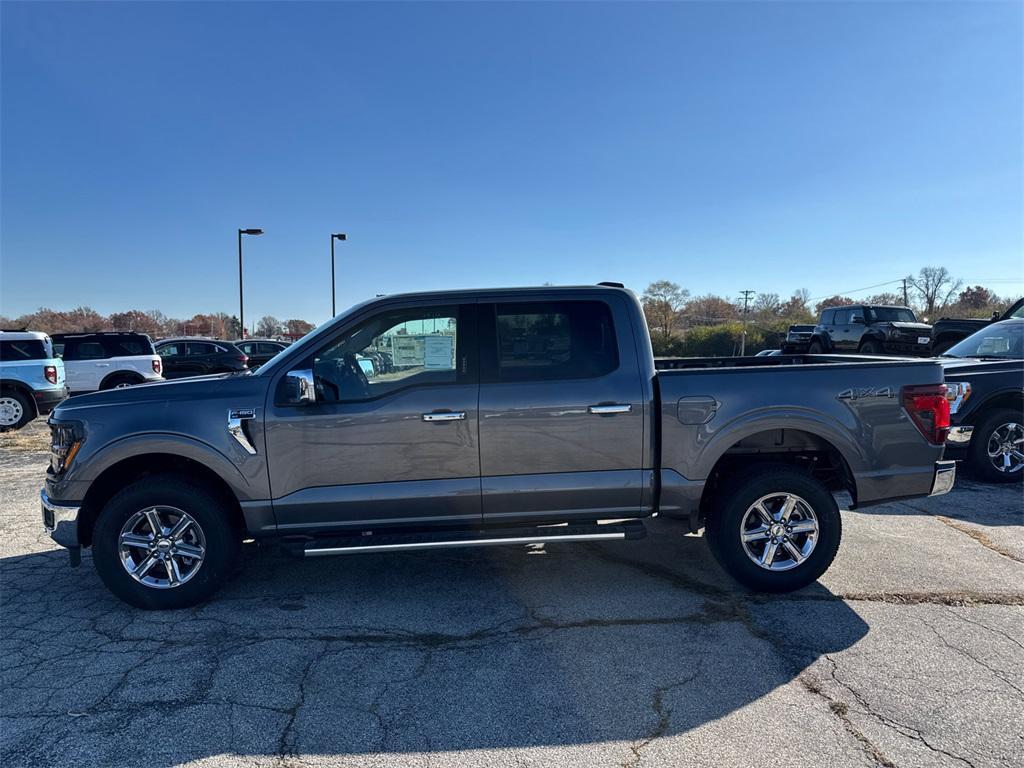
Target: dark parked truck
x=871, y=330
x=507, y=416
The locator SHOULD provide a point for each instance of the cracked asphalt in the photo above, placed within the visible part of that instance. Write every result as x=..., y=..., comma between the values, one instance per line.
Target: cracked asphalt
x=909, y=652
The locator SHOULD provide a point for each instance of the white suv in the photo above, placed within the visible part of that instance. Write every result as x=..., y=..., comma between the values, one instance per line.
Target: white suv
x=94, y=361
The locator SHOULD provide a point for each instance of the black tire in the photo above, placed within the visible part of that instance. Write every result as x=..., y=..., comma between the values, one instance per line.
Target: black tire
x=871, y=347
x=978, y=459
x=18, y=408
x=222, y=541
x=815, y=348
x=121, y=380
x=725, y=524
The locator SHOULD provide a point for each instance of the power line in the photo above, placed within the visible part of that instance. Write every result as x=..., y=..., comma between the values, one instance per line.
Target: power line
x=857, y=290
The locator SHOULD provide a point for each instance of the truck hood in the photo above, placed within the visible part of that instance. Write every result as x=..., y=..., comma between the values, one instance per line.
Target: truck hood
x=163, y=393
x=910, y=326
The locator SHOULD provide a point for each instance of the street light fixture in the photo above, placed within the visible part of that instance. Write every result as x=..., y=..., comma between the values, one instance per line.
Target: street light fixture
x=241, y=300
x=336, y=236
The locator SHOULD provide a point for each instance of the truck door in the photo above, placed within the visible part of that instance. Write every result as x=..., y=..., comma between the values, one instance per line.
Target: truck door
x=561, y=411
x=395, y=447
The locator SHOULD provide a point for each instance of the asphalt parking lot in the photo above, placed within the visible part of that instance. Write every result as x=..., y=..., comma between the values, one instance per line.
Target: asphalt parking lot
x=910, y=652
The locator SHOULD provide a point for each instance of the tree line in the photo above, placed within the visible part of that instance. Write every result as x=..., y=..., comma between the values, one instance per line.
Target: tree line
x=710, y=325
x=153, y=322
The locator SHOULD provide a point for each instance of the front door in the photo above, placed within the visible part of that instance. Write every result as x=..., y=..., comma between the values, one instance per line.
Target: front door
x=561, y=411
x=382, y=447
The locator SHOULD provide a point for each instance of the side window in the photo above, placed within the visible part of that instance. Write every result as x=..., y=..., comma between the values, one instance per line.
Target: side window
x=857, y=315
x=171, y=350
x=842, y=317
x=200, y=348
x=267, y=349
x=27, y=349
x=544, y=341
x=126, y=346
x=248, y=348
x=84, y=350
x=390, y=351
x=826, y=316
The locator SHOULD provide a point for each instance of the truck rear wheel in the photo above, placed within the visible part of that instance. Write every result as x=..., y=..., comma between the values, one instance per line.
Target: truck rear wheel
x=164, y=542
x=776, y=530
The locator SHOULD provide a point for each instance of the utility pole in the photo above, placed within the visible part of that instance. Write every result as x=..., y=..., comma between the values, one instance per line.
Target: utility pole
x=743, y=338
x=906, y=301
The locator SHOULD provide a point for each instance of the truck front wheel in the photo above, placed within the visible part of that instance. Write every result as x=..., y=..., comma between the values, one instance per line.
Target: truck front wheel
x=164, y=542
x=776, y=530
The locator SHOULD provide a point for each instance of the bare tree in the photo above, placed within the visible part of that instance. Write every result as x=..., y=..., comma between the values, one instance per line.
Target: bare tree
x=662, y=302
x=268, y=326
x=935, y=287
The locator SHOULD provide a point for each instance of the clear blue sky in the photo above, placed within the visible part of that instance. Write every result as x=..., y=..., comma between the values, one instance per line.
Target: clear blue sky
x=724, y=146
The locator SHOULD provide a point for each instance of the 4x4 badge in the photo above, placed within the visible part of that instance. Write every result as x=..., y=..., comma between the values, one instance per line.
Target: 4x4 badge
x=859, y=393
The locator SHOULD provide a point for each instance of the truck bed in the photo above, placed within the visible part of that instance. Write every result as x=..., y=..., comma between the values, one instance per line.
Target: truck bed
x=842, y=414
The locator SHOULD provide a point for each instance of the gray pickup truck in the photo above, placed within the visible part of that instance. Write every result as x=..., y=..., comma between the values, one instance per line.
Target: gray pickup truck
x=506, y=416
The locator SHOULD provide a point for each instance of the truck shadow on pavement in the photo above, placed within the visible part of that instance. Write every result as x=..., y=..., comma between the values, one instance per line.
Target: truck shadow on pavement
x=606, y=645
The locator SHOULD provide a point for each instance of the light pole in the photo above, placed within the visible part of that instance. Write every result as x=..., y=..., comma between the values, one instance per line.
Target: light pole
x=241, y=300
x=336, y=236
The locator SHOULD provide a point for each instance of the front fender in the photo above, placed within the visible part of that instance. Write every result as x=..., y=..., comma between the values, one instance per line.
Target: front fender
x=76, y=483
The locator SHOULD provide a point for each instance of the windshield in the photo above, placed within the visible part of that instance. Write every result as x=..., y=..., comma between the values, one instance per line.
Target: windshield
x=892, y=315
x=1002, y=340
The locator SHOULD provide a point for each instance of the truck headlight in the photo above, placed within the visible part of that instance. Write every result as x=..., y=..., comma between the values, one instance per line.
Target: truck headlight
x=66, y=439
x=957, y=393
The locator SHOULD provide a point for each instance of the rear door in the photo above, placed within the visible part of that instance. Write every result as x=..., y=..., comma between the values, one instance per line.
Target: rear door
x=561, y=411
x=842, y=331
x=199, y=358
x=86, y=364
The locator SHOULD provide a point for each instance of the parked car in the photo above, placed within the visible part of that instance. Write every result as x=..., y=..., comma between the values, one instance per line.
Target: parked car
x=985, y=385
x=947, y=331
x=108, y=360
x=259, y=351
x=32, y=379
x=871, y=330
x=798, y=339
x=516, y=416
x=200, y=357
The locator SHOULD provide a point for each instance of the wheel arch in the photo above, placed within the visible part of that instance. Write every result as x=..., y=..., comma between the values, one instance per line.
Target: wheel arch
x=135, y=376
x=1007, y=399
x=812, y=450
x=13, y=385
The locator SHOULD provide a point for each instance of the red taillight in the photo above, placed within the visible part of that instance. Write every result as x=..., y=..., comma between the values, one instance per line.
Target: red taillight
x=50, y=372
x=929, y=410
x=243, y=359
x=157, y=366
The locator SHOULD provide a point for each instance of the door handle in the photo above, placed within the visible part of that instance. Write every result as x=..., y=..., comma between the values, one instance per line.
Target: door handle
x=605, y=410
x=445, y=416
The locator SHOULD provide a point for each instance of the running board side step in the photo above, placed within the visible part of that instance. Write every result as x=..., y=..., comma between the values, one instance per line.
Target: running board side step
x=391, y=542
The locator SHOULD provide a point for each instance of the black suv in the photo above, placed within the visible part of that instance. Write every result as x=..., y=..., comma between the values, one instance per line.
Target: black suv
x=198, y=357
x=259, y=351
x=871, y=330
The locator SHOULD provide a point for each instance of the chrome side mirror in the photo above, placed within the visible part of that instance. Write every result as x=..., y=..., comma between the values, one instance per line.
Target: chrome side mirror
x=297, y=388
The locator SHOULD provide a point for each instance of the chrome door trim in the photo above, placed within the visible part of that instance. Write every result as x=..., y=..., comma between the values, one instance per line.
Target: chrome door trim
x=445, y=416
x=612, y=408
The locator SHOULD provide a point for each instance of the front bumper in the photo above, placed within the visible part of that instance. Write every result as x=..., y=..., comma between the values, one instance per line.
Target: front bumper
x=61, y=522
x=945, y=477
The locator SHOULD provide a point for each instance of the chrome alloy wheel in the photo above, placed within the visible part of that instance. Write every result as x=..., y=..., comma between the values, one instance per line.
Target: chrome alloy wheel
x=162, y=547
x=11, y=411
x=779, y=531
x=1006, y=448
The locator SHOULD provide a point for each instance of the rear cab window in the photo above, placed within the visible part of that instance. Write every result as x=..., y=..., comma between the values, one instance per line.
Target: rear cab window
x=548, y=340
